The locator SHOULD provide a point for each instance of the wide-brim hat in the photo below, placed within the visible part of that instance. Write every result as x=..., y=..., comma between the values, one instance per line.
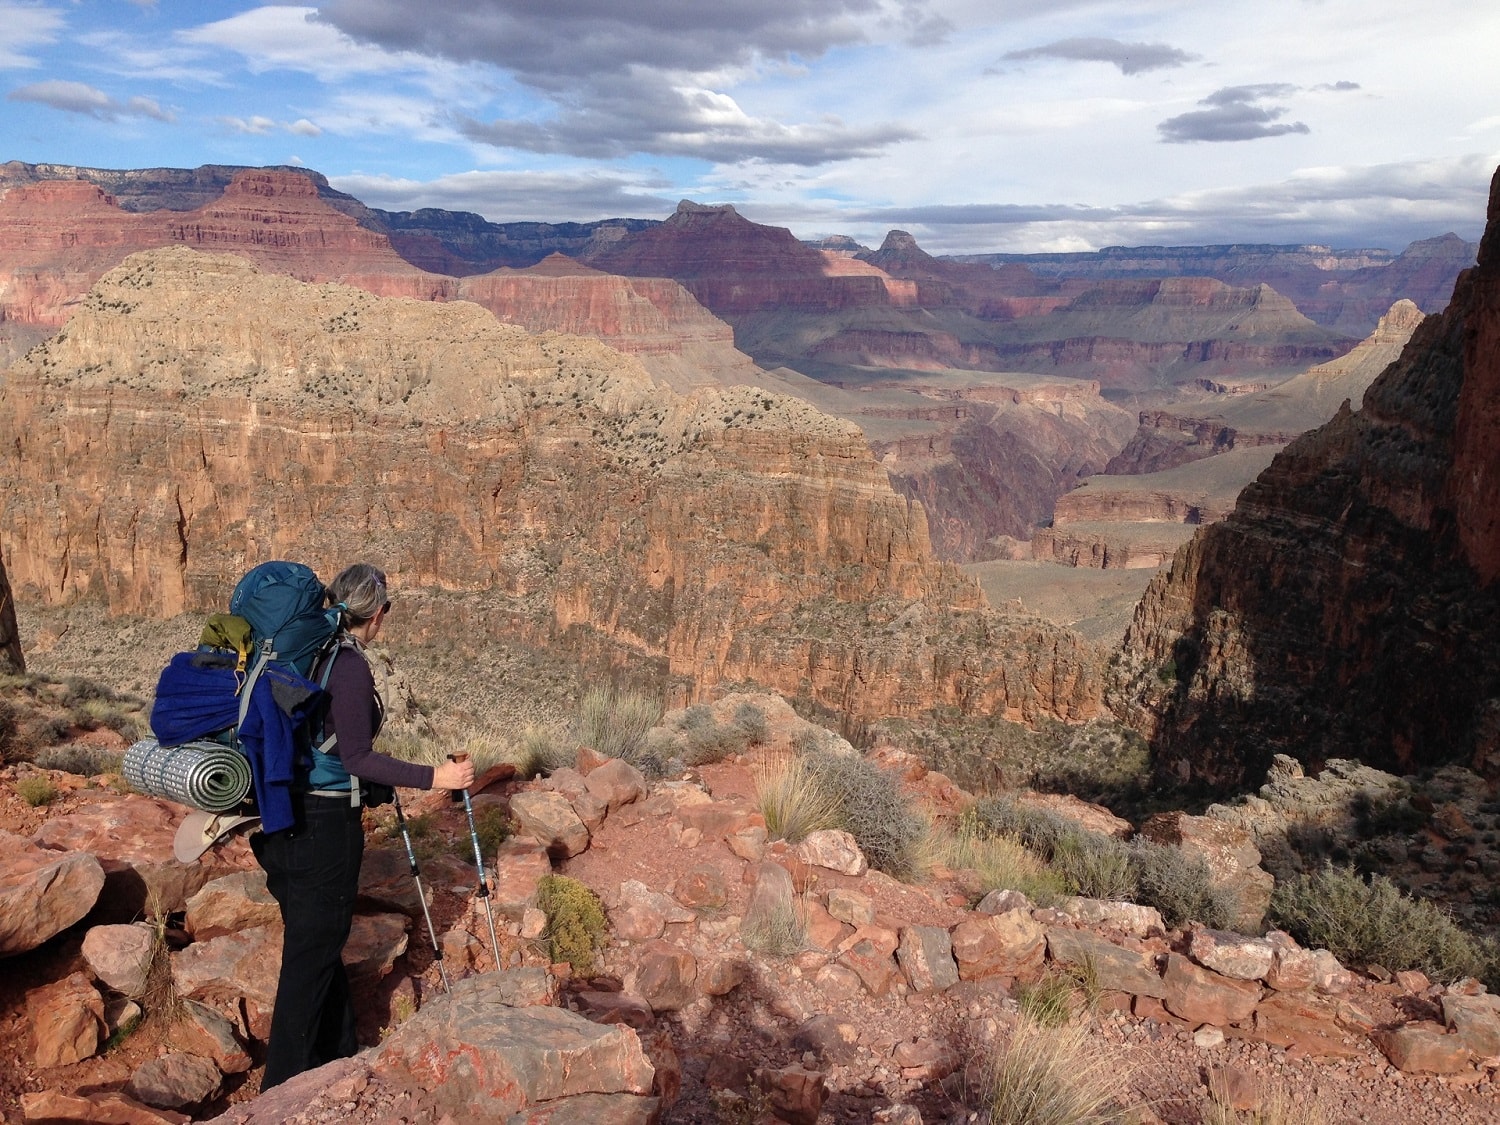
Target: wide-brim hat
x=200, y=831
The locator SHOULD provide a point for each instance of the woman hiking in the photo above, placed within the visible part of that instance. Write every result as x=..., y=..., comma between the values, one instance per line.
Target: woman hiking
x=312, y=868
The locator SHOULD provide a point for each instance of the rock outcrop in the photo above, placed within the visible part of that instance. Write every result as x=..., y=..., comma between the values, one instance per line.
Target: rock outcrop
x=197, y=415
x=11, y=657
x=1348, y=607
x=59, y=236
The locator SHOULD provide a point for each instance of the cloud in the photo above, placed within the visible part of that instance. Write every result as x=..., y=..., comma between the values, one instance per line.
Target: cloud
x=304, y=128
x=650, y=77
x=259, y=126
x=1233, y=115
x=22, y=27
x=516, y=196
x=1341, y=87
x=635, y=115
x=77, y=97
x=1131, y=58
x=1382, y=205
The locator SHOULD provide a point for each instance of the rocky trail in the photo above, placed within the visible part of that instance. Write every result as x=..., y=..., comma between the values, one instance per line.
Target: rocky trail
x=887, y=1004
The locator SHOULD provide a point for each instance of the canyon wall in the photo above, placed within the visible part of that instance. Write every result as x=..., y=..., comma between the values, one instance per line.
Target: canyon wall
x=196, y=416
x=1348, y=606
x=11, y=659
x=58, y=236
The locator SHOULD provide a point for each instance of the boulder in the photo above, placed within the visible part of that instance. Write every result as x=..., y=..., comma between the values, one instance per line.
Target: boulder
x=1002, y=902
x=851, y=906
x=796, y=1094
x=640, y=914
x=702, y=888
x=925, y=1060
x=42, y=891
x=1116, y=969
x=1423, y=1048
x=870, y=953
x=109, y=1108
x=120, y=955
x=926, y=957
x=385, y=881
x=233, y=968
x=772, y=896
x=1232, y=955
x=1200, y=996
x=233, y=903
x=616, y=1007
x=1012, y=944
x=520, y=865
x=205, y=1032
x=1091, y=818
x=1231, y=855
x=1476, y=1019
x=831, y=1040
x=480, y=1057
x=549, y=819
x=67, y=1020
x=832, y=849
x=616, y=783
x=133, y=838
x=375, y=941
x=664, y=975
x=824, y=931
x=174, y=1080
x=1127, y=917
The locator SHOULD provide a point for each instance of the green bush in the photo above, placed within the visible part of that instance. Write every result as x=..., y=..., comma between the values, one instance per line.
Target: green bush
x=875, y=812
x=1373, y=923
x=1095, y=865
x=615, y=723
x=1002, y=863
x=575, y=921
x=493, y=828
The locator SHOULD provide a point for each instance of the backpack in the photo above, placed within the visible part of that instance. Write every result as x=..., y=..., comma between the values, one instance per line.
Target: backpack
x=283, y=601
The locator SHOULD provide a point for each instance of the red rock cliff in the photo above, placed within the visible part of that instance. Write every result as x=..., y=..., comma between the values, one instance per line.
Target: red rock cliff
x=1348, y=607
x=197, y=415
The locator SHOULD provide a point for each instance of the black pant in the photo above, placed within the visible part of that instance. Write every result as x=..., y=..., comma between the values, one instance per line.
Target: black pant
x=312, y=870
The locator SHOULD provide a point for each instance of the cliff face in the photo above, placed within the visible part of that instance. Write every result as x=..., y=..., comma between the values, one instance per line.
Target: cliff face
x=11, y=659
x=59, y=236
x=196, y=416
x=1348, y=607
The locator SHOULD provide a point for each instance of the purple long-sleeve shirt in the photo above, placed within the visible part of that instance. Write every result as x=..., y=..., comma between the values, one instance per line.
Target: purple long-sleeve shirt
x=352, y=714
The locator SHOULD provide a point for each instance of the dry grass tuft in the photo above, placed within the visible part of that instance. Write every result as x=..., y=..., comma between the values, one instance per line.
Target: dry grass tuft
x=159, y=1001
x=1056, y=1076
x=793, y=800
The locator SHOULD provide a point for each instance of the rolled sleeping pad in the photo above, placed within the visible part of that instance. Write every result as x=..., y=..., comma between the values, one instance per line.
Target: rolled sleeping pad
x=203, y=775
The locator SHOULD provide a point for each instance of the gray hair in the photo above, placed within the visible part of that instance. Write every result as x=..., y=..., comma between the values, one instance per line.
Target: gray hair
x=359, y=592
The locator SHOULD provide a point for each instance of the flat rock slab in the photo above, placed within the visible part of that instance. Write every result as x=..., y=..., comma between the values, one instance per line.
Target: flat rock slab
x=133, y=838
x=42, y=891
x=482, y=1058
x=592, y=1109
x=1116, y=968
x=112, y=1108
x=231, y=903
x=175, y=1080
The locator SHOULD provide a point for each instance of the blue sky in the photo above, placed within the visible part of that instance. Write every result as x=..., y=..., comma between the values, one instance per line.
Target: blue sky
x=975, y=124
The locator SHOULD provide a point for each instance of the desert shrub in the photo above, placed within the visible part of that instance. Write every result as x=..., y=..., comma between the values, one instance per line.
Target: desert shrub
x=875, y=812
x=1038, y=829
x=1396, y=817
x=615, y=723
x=1279, y=1105
x=1179, y=884
x=493, y=828
x=751, y=720
x=36, y=790
x=1002, y=863
x=75, y=758
x=793, y=800
x=777, y=931
x=541, y=751
x=1049, y=1001
x=1374, y=923
x=575, y=921
x=10, y=724
x=1094, y=865
x=1055, y=1076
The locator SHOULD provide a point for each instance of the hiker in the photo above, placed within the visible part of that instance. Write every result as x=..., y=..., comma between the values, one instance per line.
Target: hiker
x=312, y=868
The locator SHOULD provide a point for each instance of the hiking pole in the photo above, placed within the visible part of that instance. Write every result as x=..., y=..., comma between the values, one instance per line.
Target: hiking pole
x=484, y=886
x=411, y=858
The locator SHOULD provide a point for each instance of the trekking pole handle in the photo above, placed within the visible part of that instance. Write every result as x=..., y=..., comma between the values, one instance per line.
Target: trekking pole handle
x=457, y=795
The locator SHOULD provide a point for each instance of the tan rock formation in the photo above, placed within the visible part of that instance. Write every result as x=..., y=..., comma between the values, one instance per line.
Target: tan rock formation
x=1347, y=608
x=197, y=415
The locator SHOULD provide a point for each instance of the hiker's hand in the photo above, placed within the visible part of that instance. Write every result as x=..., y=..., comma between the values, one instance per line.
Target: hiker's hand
x=453, y=775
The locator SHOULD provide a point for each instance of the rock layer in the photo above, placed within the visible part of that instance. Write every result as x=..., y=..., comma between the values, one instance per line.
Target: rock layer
x=196, y=416
x=1347, y=607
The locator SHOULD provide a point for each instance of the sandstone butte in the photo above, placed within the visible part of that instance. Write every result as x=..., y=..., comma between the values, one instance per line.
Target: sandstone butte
x=196, y=415
x=1348, y=606
x=57, y=237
